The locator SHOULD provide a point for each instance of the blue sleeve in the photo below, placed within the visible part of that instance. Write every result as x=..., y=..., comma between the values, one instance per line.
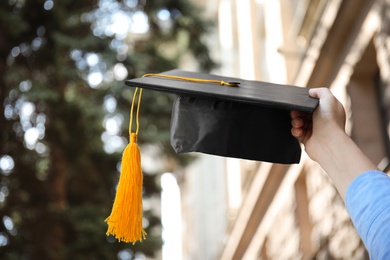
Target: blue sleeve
x=368, y=203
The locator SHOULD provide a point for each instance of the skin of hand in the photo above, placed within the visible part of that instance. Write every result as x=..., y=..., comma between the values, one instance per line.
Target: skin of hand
x=326, y=142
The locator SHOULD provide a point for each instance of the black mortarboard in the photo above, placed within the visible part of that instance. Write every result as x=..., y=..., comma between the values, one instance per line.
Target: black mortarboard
x=215, y=115
x=248, y=119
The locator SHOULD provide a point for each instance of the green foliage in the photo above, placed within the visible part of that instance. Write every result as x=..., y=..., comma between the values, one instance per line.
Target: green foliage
x=58, y=191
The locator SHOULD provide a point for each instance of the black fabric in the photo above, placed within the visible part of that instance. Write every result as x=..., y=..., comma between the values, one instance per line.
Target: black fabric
x=233, y=129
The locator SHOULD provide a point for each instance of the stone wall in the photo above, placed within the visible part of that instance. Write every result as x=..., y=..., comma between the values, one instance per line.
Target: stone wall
x=333, y=235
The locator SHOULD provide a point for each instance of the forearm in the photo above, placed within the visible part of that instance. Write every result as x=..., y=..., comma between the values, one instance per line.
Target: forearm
x=342, y=159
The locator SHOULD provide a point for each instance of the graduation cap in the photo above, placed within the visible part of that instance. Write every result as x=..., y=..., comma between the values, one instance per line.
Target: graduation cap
x=215, y=115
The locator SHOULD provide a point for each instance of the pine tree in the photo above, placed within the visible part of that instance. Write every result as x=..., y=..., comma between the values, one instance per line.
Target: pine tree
x=62, y=67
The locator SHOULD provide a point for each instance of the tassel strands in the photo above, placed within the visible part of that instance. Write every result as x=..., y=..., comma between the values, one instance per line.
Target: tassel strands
x=125, y=220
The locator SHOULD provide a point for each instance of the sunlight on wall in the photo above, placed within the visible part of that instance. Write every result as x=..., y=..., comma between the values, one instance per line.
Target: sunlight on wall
x=234, y=182
x=274, y=39
x=171, y=218
x=245, y=39
x=225, y=25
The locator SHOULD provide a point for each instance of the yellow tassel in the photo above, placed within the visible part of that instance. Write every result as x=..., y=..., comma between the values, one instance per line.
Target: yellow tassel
x=125, y=220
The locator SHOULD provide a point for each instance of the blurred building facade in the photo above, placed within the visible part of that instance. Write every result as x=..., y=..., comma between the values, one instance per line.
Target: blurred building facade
x=237, y=209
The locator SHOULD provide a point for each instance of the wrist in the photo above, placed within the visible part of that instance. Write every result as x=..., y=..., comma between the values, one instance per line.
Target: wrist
x=342, y=159
x=325, y=141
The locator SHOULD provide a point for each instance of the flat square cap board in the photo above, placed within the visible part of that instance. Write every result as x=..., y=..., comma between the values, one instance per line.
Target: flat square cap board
x=249, y=120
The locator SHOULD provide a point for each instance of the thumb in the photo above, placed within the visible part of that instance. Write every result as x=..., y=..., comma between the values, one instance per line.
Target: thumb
x=319, y=92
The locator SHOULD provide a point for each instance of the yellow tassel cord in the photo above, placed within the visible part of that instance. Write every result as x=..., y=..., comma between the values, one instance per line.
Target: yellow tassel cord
x=125, y=220
x=225, y=83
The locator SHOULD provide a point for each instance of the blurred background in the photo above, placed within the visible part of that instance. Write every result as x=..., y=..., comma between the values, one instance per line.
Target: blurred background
x=65, y=114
